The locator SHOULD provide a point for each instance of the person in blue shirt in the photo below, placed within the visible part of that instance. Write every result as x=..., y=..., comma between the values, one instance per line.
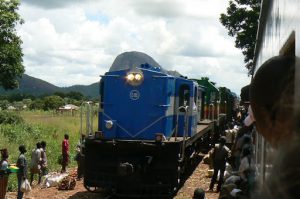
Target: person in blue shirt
x=22, y=172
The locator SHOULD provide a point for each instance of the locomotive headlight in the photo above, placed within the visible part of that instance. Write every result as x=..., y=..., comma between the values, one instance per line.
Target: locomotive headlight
x=109, y=124
x=130, y=77
x=138, y=77
x=134, y=78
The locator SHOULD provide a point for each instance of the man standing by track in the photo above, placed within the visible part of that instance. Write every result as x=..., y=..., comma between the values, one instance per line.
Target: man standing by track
x=220, y=155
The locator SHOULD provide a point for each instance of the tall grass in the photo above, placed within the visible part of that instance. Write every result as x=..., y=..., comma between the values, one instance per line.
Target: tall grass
x=38, y=126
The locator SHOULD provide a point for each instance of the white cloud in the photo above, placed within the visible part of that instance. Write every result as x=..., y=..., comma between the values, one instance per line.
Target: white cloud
x=158, y=8
x=73, y=43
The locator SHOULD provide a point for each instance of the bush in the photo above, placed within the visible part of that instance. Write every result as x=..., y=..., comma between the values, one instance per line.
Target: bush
x=18, y=133
x=38, y=126
x=7, y=117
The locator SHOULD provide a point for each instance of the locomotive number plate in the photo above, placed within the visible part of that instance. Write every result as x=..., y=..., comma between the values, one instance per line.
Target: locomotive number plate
x=134, y=95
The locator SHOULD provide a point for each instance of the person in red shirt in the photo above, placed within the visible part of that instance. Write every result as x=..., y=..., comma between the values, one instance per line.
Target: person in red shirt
x=65, y=153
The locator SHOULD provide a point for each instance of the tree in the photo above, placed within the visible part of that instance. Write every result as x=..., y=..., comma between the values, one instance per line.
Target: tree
x=241, y=20
x=4, y=104
x=75, y=95
x=37, y=104
x=60, y=94
x=15, y=96
x=10, y=44
x=7, y=117
x=53, y=102
x=245, y=94
x=207, y=79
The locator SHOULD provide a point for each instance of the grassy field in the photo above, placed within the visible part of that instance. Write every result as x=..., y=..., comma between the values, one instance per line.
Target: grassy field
x=38, y=126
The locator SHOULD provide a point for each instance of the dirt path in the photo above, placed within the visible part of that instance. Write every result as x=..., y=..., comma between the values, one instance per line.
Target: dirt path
x=54, y=193
x=197, y=179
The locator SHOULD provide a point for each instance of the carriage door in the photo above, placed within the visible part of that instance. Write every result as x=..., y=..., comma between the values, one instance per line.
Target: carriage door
x=198, y=96
x=182, y=100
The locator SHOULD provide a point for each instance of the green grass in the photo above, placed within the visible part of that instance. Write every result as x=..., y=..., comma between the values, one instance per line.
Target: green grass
x=38, y=126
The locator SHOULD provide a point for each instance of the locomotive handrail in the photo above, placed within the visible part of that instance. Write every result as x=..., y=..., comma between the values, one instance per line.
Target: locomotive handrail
x=157, y=76
x=164, y=105
x=186, y=108
x=176, y=127
x=173, y=131
x=186, y=126
x=89, y=118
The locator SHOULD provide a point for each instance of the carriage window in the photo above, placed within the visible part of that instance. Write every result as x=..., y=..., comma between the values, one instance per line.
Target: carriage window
x=184, y=96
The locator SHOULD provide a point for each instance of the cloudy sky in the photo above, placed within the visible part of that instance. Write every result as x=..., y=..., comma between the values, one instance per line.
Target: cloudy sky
x=68, y=42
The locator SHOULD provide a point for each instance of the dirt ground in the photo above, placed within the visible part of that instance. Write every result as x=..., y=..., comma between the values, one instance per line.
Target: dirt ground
x=197, y=179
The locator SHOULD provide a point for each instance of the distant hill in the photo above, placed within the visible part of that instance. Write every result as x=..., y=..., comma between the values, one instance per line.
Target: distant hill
x=34, y=86
x=91, y=91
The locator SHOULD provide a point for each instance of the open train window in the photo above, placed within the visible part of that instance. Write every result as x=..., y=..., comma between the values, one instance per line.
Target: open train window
x=184, y=96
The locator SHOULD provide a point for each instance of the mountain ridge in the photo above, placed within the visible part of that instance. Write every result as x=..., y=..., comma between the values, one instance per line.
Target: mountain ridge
x=36, y=87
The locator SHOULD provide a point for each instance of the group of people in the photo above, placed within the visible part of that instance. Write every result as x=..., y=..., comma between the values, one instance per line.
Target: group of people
x=233, y=155
x=272, y=95
x=38, y=163
x=21, y=164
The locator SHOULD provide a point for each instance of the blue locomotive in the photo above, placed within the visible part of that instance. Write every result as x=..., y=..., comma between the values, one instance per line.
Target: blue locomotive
x=149, y=128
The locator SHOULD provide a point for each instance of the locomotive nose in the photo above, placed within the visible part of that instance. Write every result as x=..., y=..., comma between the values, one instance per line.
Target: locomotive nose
x=125, y=169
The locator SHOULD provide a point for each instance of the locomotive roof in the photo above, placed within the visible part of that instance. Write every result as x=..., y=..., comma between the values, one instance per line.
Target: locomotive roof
x=132, y=60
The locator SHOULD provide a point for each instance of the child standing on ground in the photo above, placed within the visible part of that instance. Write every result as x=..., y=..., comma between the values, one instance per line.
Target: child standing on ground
x=65, y=153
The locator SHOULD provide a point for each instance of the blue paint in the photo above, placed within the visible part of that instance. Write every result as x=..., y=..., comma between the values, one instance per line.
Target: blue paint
x=139, y=112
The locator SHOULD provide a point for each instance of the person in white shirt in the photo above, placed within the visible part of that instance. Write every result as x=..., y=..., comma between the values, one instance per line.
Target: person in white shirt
x=35, y=167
